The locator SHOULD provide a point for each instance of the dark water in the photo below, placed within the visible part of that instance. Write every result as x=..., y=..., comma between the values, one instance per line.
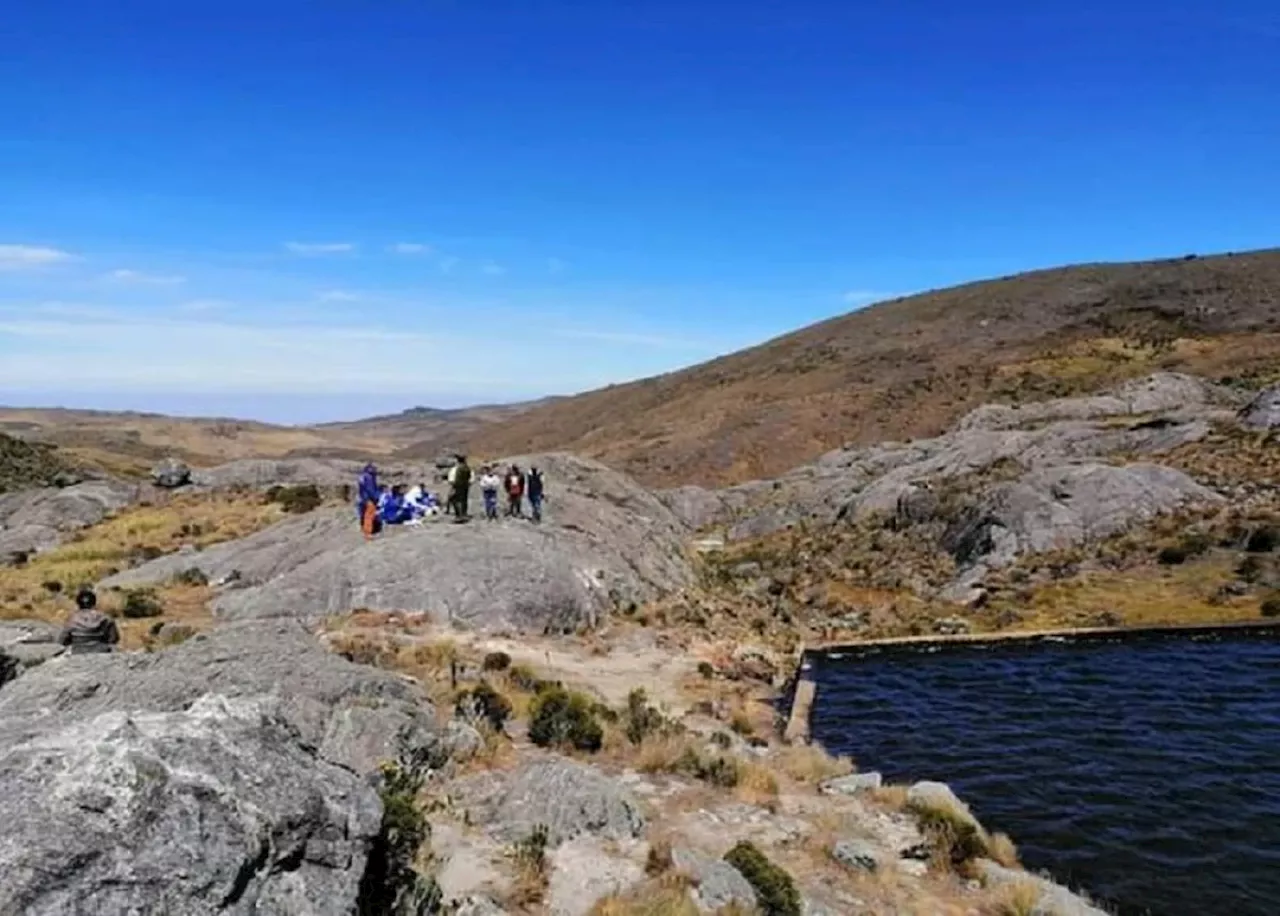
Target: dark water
x=1147, y=773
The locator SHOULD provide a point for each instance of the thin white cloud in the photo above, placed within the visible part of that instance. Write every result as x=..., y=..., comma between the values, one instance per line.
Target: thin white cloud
x=27, y=257
x=201, y=354
x=866, y=296
x=204, y=305
x=338, y=295
x=410, y=248
x=493, y=270
x=448, y=263
x=556, y=266
x=311, y=249
x=630, y=338
x=137, y=276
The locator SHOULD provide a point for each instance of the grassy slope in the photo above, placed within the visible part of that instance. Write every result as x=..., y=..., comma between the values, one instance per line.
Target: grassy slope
x=910, y=367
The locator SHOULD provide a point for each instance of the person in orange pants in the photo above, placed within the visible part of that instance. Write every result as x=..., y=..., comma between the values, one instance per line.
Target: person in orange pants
x=367, y=501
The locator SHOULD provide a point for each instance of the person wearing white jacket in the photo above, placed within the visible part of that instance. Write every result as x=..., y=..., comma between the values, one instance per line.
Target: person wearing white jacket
x=489, y=490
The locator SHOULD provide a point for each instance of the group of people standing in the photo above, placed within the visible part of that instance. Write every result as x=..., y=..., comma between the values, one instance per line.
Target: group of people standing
x=378, y=505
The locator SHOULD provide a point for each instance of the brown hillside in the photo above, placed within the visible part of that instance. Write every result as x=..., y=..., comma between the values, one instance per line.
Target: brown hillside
x=910, y=367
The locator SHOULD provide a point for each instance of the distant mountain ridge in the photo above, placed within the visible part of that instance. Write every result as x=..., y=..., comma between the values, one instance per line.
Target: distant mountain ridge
x=910, y=367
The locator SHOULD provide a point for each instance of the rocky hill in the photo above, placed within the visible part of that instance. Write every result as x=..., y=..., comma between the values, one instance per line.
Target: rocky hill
x=911, y=367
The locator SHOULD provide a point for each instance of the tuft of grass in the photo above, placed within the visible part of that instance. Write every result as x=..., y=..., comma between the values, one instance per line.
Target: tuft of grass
x=811, y=764
x=664, y=896
x=296, y=500
x=1271, y=605
x=776, y=892
x=1020, y=898
x=529, y=856
x=141, y=603
x=952, y=831
x=483, y=703
x=1002, y=851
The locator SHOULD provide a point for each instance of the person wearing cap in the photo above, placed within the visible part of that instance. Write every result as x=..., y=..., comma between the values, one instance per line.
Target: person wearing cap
x=88, y=629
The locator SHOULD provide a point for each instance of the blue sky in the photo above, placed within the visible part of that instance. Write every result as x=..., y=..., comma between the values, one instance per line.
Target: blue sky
x=305, y=210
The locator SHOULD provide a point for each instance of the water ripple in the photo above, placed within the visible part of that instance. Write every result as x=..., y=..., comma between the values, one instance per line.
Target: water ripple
x=1147, y=773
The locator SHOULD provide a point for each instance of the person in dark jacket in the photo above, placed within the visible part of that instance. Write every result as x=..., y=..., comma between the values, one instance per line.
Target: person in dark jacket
x=88, y=629
x=533, y=490
x=367, y=501
x=460, y=488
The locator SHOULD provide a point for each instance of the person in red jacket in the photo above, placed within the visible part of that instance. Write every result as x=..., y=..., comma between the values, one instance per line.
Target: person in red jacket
x=515, y=492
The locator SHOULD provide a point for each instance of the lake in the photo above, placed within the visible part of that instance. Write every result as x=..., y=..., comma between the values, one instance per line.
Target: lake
x=1145, y=772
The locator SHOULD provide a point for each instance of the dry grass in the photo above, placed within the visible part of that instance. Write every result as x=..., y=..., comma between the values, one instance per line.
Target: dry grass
x=893, y=798
x=1019, y=898
x=809, y=764
x=42, y=587
x=667, y=895
x=1002, y=851
x=757, y=785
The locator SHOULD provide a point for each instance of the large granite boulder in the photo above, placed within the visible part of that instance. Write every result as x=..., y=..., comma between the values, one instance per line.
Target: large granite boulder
x=1059, y=507
x=171, y=474
x=605, y=542
x=33, y=520
x=230, y=775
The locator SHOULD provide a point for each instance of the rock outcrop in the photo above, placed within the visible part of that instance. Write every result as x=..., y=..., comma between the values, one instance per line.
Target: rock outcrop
x=171, y=474
x=1263, y=412
x=605, y=543
x=230, y=775
x=33, y=520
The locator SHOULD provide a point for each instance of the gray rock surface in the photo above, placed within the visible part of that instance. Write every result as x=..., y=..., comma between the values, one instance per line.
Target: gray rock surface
x=171, y=474
x=606, y=542
x=716, y=883
x=585, y=870
x=228, y=775
x=568, y=798
x=1263, y=412
x=853, y=784
x=1055, y=900
x=856, y=855
x=1059, y=507
x=34, y=520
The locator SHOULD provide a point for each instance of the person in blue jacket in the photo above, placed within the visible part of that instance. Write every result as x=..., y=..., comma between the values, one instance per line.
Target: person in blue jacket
x=394, y=509
x=367, y=500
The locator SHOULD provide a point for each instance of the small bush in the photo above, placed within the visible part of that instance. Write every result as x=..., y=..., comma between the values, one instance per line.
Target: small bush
x=147, y=552
x=193, y=576
x=1263, y=540
x=523, y=678
x=483, y=702
x=53, y=587
x=297, y=500
x=776, y=893
x=722, y=772
x=707, y=670
x=496, y=661
x=390, y=883
x=1252, y=569
x=530, y=858
x=642, y=720
x=140, y=603
x=558, y=718
x=1271, y=605
x=1172, y=555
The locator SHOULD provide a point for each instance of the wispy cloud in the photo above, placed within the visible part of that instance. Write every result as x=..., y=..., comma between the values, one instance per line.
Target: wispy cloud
x=137, y=276
x=311, y=249
x=205, y=305
x=27, y=257
x=338, y=295
x=631, y=338
x=556, y=266
x=410, y=248
x=493, y=270
x=448, y=263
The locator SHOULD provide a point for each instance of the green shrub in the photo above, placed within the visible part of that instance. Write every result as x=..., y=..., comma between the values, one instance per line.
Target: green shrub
x=296, y=500
x=192, y=576
x=776, y=893
x=707, y=670
x=1172, y=555
x=53, y=587
x=483, y=702
x=496, y=661
x=523, y=678
x=1271, y=605
x=641, y=719
x=1252, y=569
x=390, y=884
x=722, y=772
x=558, y=718
x=140, y=603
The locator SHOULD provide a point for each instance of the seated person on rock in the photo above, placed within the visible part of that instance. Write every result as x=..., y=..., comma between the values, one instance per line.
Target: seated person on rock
x=394, y=509
x=421, y=502
x=88, y=629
